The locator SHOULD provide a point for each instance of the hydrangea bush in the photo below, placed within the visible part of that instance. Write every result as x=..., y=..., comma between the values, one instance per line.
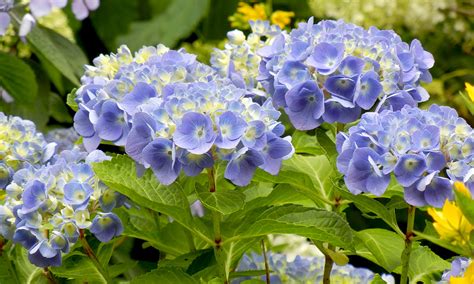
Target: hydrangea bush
x=181, y=172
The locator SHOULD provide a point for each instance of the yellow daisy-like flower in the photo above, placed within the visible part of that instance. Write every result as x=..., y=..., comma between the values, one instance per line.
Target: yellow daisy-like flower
x=470, y=91
x=461, y=187
x=257, y=12
x=281, y=18
x=467, y=278
x=451, y=224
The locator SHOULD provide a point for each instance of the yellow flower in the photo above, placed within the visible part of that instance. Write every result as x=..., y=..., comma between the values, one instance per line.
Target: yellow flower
x=281, y=18
x=470, y=91
x=451, y=224
x=467, y=278
x=246, y=13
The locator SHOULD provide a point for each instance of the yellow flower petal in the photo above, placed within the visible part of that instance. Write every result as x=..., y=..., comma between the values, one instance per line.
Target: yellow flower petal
x=281, y=18
x=460, y=187
x=470, y=91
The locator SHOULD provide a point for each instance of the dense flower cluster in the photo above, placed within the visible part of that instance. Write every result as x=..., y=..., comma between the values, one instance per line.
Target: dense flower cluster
x=239, y=60
x=47, y=209
x=41, y=8
x=461, y=272
x=304, y=270
x=332, y=70
x=193, y=124
x=117, y=83
x=65, y=138
x=20, y=146
x=426, y=150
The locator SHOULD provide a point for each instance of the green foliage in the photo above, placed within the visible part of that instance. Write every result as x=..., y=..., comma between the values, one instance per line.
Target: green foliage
x=225, y=202
x=380, y=246
x=424, y=262
x=17, y=78
x=466, y=204
x=78, y=266
x=176, y=22
x=168, y=275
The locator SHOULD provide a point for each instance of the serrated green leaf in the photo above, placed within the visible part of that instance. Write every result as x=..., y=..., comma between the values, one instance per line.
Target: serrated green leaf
x=120, y=174
x=380, y=246
x=369, y=205
x=320, y=225
x=17, y=78
x=424, y=262
x=311, y=175
x=70, y=101
x=225, y=202
x=176, y=22
x=47, y=50
x=78, y=266
x=168, y=275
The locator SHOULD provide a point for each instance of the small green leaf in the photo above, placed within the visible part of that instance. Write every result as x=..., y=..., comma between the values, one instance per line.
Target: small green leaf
x=71, y=100
x=166, y=275
x=17, y=78
x=377, y=279
x=380, y=246
x=225, y=202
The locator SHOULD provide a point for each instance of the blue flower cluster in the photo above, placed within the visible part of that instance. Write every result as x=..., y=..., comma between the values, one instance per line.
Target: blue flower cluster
x=239, y=60
x=304, y=270
x=332, y=71
x=194, y=124
x=458, y=267
x=47, y=209
x=426, y=150
x=20, y=146
x=65, y=138
x=117, y=83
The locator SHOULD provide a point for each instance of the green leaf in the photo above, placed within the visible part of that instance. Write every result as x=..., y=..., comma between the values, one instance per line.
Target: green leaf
x=17, y=78
x=466, y=204
x=120, y=174
x=377, y=280
x=380, y=246
x=424, y=262
x=113, y=18
x=105, y=251
x=78, y=266
x=306, y=144
x=369, y=205
x=47, y=50
x=168, y=275
x=70, y=101
x=311, y=175
x=225, y=202
x=176, y=22
x=320, y=225
x=73, y=53
x=58, y=109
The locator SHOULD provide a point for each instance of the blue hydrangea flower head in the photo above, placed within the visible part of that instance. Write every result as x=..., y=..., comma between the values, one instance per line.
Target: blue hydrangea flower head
x=195, y=124
x=47, y=207
x=426, y=150
x=21, y=146
x=354, y=69
x=303, y=269
x=117, y=83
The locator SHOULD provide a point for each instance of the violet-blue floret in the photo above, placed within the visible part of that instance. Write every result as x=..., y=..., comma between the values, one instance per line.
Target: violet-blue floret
x=330, y=71
x=48, y=208
x=21, y=145
x=194, y=125
x=425, y=150
x=117, y=83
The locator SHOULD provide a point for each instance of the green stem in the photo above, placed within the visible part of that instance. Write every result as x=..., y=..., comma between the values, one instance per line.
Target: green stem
x=328, y=263
x=267, y=269
x=47, y=273
x=408, y=244
x=90, y=253
x=216, y=223
x=2, y=244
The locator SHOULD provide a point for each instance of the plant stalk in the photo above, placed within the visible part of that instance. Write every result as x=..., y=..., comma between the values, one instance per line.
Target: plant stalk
x=216, y=223
x=408, y=244
x=328, y=263
x=90, y=253
x=47, y=273
x=267, y=269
